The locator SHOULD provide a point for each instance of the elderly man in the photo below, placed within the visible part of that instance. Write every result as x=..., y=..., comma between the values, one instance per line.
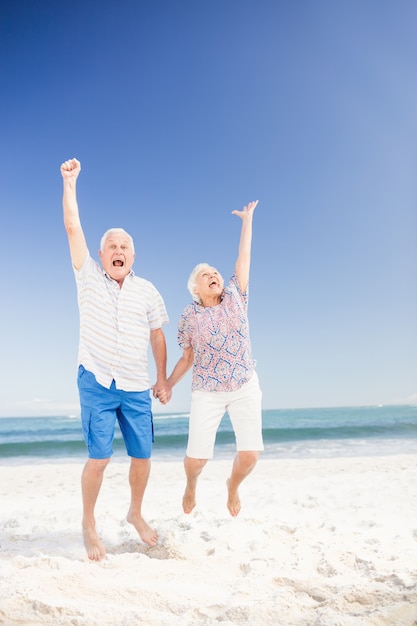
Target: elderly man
x=120, y=313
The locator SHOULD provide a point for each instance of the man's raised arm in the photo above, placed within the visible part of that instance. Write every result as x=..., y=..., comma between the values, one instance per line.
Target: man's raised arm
x=78, y=246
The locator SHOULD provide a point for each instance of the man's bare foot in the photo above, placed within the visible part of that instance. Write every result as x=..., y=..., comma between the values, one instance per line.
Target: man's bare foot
x=188, y=500
x=146, y=533
x=95, y=548
x=233, y=500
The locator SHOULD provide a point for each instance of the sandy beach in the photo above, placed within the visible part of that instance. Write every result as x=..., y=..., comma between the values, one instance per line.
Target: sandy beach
x=318, y=542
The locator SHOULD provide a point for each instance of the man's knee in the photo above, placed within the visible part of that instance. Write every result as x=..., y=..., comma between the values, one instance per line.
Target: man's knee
x=98, y=465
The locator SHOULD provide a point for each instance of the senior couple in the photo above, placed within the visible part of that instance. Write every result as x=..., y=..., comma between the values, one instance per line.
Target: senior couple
x=120, y=314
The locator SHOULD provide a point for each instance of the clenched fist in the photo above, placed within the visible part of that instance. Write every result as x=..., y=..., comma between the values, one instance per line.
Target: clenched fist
x=70, y=169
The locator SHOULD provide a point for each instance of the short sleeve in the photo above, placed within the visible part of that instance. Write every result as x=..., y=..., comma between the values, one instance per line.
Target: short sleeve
x=157, y=314
x=234, y=288
x=87, y=267
x=186, y=327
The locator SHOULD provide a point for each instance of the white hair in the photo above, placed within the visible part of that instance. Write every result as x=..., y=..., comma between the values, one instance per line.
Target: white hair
x=116, y=231
x=192, y=280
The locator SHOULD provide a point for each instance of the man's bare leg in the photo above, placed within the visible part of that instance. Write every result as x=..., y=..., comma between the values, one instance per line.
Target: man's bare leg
x=91, y=480
x=138, y=479
x=193, y=469
x=242, y=466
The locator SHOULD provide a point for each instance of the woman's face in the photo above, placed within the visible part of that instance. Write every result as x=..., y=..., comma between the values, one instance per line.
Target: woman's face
x=209, y=284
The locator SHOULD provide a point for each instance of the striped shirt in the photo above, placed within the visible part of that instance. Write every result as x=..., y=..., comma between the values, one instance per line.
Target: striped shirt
x=115, y=325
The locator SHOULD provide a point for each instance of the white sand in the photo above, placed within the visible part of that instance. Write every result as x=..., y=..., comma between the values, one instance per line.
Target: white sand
x=329, y=542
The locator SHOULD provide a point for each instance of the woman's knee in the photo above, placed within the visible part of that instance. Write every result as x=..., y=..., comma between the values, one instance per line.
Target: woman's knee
x=195, y=464
x=248, y=458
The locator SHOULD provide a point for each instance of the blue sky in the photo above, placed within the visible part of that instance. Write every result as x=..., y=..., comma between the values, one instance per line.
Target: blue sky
x=180, y=112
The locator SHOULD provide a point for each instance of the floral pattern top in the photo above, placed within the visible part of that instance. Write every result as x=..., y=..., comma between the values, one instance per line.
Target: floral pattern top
x=219, y=336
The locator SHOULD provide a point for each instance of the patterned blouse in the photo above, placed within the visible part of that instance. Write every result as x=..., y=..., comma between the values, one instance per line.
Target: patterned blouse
x=219, y=336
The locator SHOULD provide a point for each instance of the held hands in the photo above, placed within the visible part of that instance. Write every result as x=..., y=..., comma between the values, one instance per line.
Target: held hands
x=70, y=169
x=162, y=392
x=247, y=211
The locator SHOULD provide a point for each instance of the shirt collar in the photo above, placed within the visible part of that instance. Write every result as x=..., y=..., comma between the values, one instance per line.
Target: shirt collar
x=131, y=273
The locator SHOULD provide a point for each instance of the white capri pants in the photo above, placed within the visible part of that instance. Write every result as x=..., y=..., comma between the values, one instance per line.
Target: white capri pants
x=207, y=410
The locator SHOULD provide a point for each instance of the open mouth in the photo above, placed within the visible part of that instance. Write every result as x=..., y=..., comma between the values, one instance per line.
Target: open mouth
x=118, y=263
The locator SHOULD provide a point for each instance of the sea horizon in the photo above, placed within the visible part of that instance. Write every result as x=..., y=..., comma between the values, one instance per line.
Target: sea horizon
x=178, y=412
x=369, y=430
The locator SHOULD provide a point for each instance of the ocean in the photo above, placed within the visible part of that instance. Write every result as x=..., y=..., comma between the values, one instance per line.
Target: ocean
x=288, y=433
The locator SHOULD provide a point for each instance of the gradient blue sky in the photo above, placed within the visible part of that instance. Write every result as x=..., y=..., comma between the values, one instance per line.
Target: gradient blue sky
x=180, y=112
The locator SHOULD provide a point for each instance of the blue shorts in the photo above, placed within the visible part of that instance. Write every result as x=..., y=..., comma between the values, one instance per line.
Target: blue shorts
x=100, y=407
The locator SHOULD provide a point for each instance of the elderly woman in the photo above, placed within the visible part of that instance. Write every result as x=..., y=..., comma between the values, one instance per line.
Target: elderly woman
x=214, y=334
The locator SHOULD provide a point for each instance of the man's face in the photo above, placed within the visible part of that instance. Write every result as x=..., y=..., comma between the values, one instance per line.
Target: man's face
x=117, y=256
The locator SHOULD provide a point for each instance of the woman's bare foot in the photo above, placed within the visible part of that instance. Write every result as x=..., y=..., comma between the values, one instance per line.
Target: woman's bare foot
x=188, y=500
x=233, y=500
x=146, y=533
x=95, y=548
